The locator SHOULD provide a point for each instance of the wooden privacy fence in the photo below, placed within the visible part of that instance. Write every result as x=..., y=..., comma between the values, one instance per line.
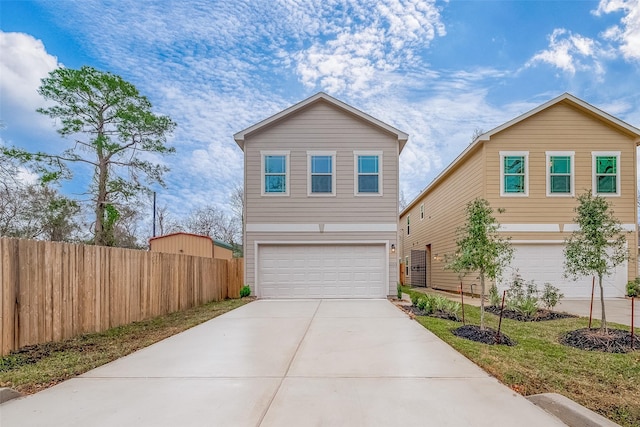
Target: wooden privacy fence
x=52, y=291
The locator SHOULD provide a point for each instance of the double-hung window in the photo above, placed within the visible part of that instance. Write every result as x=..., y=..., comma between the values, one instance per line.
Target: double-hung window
x=514, y=170
x=368, y=173
x=606, y=173
x=421, y=211
x=560, y=173
x=275, y=173
x=321, y=178
x=408, y=223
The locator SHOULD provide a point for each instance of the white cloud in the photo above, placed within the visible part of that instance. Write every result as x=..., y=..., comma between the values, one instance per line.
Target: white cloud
x=23, y=63
x=570, y=53
x=627, y=34
x=380, y=37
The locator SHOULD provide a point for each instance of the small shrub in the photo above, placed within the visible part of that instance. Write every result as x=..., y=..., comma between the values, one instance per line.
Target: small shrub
x=399, y=290
x=245, y=291
x=494, y=296
x=551, y=296
x=453, y=308
x=633, y=287
x=414, y=299
x=522, y=296
x=440, y=303
x=422, y=303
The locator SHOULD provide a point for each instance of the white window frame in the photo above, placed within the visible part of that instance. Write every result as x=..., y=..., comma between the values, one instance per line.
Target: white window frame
x=594, y=181
x=524, y=154
x=570, y=154
x=421, y=211
x=331, y=154
x=408, y=223
x=355, y=173
x=287, y=172
x=407, y=270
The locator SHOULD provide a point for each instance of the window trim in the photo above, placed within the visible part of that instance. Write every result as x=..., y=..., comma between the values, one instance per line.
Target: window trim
x=407, y=270
x=572, y=174
x=524, y=154
x=421, y=211
x=287, y=172
x=355, y=173
x=310, y=155
x=594, y=181
x=408, y=223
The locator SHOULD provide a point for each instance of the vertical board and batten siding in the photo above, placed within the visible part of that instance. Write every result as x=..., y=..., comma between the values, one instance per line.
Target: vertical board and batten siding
x=185, y=244
x=53, y=291
x=320, y=127
x=444, y=213
x=560, y=127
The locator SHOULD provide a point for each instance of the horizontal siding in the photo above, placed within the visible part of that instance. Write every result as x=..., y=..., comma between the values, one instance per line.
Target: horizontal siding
x=559, y=128
x=301, y=238
x=321, y=127
x=444, y=213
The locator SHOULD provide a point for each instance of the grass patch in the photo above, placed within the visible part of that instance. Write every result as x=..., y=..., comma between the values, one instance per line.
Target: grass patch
x=40, y=366
x=606, y=383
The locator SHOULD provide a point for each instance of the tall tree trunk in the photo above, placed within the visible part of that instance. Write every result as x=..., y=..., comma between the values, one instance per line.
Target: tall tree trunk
x=482, y=301
x=101, y=202
x=603, y=325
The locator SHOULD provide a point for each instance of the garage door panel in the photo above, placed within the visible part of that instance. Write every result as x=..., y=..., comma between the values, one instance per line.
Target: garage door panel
x=544, y=263
x=321, y=271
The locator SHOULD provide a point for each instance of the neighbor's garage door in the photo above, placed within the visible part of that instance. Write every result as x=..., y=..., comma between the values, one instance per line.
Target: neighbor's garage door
x=545, y=263
x=321, y=271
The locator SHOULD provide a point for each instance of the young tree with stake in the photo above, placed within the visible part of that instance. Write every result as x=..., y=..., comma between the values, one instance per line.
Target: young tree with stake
x=598, y=247
x=480, y=248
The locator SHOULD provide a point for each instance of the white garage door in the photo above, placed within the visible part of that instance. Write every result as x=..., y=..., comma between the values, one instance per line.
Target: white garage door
x=322, y=271
x=545, y=263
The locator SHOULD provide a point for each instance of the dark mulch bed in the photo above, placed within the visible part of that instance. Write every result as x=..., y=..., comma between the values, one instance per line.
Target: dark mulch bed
x=541, y=314
x=486, y=336
x=617, y=341
x=439, y=314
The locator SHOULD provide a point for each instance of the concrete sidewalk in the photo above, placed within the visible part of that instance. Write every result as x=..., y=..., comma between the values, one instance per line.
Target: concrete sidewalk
x=287, y=363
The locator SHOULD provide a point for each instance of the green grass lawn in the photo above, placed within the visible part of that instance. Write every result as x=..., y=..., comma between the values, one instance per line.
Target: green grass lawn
x=606, y=383
x=37, y=367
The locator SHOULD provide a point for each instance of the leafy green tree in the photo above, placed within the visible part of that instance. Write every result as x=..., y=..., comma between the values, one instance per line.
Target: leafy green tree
x=598, y=246
x=480, y=248
x=114, y=132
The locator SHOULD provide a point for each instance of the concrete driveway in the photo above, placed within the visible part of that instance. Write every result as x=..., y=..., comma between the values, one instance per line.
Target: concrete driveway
x=286, y=363
x=618, y=310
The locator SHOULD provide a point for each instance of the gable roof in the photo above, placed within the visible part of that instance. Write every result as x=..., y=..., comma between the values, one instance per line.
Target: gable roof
x=321, y=96
x=567, y=98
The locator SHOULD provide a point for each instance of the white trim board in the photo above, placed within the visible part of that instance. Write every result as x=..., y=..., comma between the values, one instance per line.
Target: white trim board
x=319, y=228
x=554, y=228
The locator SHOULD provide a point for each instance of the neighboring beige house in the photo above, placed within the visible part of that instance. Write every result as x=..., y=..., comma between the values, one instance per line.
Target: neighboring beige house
x=533, y=167
x=321, y=202
x=191, y=244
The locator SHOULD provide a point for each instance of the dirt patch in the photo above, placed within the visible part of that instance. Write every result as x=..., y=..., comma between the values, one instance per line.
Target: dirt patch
x=616, y=341
x=539, y=316
x=486, y=336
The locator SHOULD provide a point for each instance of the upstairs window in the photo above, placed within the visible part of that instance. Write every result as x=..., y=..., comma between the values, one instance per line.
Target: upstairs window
x=275, y=177
x=513, y=173
x=321, y=180
x=421, y=211
x=606, y=176
x=408, y=221
x=368, y=173
x=560, y=173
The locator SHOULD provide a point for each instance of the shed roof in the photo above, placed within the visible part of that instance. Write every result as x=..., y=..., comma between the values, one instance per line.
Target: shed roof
x=567, y=98
x=320, y=96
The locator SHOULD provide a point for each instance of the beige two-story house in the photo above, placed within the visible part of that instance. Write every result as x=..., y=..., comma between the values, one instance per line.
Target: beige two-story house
x=321, y=202
x=531, y=170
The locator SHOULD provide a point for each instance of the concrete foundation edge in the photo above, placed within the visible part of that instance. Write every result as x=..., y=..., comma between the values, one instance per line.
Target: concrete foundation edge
x=569, y=412
x=7, y=394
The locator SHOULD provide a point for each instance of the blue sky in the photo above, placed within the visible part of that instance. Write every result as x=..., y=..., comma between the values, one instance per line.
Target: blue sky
x=436, y=70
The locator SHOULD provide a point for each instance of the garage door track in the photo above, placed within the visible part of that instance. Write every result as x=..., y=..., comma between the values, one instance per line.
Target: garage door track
x=286, y=363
